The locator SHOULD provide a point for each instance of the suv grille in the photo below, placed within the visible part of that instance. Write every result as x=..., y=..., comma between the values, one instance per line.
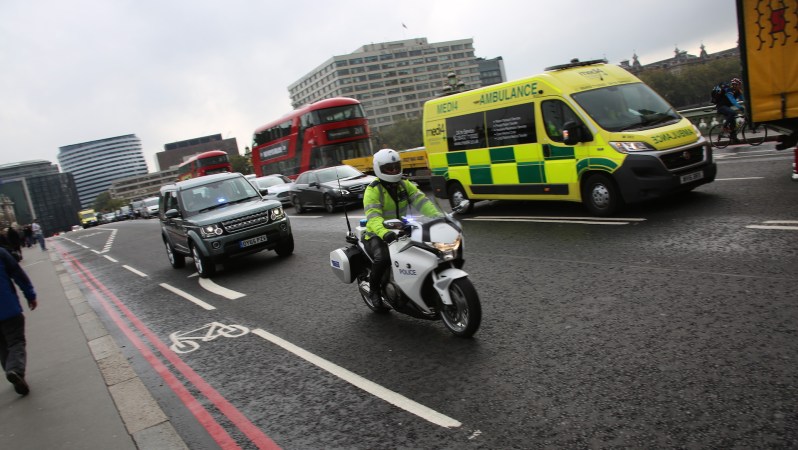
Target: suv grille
x=246, y=222
x=358, y=188
x=683, y=158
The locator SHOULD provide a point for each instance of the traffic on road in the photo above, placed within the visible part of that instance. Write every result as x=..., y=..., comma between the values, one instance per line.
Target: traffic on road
x=669, y=324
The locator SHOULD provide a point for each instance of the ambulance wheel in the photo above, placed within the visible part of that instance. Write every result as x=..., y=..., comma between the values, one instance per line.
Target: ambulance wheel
x=600, y=195
x=457, y=194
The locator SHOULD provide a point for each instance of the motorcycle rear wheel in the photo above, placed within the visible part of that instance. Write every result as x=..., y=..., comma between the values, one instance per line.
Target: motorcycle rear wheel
x=463, y=317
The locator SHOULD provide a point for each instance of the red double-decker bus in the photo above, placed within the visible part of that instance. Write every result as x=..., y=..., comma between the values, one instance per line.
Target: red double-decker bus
x=316, y=135
x=206, y=163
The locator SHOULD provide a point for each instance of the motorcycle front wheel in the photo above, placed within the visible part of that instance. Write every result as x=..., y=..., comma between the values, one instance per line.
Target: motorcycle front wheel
x=464, y=315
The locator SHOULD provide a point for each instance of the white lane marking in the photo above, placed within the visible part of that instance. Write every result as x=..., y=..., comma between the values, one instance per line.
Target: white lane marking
x=362, y=383
x=209, y=285
x=110, y=240
x=305, y=217
x=188, y=297
x=772, y=227
x=737, y=179
x=96, y=251
x=110, y=259
x=579, y=220
x=776, y=225
x=139, y=273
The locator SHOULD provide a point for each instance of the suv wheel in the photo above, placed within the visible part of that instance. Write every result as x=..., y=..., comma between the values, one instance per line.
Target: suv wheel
x=286, y=247
x=175, y=259
x=205, y=267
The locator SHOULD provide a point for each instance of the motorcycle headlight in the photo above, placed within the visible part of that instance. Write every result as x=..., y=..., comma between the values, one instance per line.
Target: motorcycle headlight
x=209, y=231
x=276, y=214
x=631, y=147
x=446, y=251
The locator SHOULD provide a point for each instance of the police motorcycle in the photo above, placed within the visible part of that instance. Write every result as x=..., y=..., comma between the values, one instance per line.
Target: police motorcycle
x=426, y=280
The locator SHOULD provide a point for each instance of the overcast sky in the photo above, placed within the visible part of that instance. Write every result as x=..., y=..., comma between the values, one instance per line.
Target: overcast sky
x=169, y=70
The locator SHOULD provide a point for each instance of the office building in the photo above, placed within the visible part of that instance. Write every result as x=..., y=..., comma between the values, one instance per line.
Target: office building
x=140, y=187
x=176, y=152
x=96, y=164
x=36, y=190
x=391, y=79
x=491, y=71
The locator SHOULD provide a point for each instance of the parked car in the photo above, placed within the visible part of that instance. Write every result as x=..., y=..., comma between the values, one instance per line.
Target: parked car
x=274, y=187
x=329, y=188
x=216, y=217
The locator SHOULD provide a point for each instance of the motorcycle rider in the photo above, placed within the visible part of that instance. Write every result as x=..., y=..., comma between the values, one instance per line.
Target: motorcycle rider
x=388, y=197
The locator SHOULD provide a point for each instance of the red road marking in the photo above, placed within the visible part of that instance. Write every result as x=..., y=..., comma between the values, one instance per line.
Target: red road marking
x=231, y=412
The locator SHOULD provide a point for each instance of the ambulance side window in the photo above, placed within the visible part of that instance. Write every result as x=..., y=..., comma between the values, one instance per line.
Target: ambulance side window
x=555, y=114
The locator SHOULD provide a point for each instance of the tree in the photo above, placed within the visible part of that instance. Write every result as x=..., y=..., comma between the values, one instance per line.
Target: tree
x=241, y=164
x=104, y=202
x=690, y=87
x=402, y=135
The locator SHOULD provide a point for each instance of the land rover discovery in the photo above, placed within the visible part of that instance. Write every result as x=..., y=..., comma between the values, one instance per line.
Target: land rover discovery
x=215, y=217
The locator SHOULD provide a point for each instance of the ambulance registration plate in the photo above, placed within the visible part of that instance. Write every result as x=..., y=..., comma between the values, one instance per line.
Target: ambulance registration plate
x=692, y=177
x=253, y=241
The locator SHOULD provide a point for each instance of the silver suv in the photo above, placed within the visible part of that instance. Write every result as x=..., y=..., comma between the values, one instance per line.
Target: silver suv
x=215, y=217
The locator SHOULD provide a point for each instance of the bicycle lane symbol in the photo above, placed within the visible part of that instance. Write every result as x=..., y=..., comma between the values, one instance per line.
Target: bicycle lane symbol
x=187, y=341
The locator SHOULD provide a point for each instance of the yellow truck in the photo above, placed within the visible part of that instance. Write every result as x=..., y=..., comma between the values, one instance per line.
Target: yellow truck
x=414, y=163
x=769, y=47
x=585, y=132
x=88, y=218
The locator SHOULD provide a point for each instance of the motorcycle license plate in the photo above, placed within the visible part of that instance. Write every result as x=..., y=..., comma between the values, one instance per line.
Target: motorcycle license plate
x=253, y=241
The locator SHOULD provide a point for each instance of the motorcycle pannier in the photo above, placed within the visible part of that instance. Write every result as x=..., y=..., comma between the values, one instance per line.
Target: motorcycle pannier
x=346, y=263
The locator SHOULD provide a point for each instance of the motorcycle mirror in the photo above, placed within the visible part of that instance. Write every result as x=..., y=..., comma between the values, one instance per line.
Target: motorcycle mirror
x=393, y=224
x=462, y=206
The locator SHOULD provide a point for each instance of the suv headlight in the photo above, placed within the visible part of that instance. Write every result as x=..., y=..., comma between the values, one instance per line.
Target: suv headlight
x=341, y=191
x=446, y=251
x=209, y=231
x=276, y=214
x=631, y=147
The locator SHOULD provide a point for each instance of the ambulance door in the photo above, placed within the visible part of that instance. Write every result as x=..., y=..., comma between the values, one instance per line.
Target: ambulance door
x=561, y=160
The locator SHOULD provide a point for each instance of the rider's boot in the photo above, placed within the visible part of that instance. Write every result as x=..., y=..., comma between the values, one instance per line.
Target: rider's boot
x=374, y=294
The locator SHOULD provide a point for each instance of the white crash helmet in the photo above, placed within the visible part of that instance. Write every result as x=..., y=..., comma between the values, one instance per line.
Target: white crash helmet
x=388, y=165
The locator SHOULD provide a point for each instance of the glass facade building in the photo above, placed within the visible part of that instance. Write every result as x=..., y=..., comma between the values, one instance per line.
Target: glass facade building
x=38, y=191
x=96, y=164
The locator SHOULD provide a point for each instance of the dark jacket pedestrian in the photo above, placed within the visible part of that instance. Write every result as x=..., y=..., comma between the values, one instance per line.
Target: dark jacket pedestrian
x=15, y=242
x=27, y=234
x=13, y=356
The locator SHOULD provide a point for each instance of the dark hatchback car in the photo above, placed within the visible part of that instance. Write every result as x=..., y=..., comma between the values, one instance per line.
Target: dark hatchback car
x=329, y=188
x=215, y=217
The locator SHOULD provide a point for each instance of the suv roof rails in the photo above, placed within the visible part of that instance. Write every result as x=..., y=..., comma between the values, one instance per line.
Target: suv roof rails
x=576, y=63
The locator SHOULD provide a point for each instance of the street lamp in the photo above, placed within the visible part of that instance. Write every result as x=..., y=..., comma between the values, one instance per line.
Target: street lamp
x=454, y=85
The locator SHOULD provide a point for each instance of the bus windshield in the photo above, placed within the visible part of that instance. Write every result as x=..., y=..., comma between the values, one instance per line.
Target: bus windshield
x=626, y=107
x=338, y=114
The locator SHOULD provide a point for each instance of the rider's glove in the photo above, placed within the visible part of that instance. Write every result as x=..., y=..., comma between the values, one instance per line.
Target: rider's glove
x=389, y=237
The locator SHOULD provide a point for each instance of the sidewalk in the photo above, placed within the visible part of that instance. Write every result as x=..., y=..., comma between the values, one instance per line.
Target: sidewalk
x=84, y=394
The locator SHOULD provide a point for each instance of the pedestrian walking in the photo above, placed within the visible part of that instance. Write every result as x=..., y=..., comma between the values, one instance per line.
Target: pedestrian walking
x=13, y=356
x=38, y=234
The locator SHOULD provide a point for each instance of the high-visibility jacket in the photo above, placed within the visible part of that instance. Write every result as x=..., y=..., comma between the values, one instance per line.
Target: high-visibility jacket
x=380, y=206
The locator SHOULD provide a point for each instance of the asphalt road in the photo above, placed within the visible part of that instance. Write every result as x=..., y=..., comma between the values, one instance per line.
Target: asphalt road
x=674, y=325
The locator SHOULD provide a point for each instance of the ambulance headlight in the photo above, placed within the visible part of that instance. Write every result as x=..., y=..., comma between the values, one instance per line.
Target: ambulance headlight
x=446, y=251
x=631, y=147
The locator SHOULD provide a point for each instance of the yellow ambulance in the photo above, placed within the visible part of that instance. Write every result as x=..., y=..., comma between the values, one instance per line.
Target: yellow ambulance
x=585, y=132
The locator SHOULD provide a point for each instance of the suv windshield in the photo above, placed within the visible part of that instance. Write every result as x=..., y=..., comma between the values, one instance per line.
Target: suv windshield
x=626, y=107
x=213, y=195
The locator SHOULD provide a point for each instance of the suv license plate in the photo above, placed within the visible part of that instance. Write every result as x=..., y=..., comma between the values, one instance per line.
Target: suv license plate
x=692, y=177
x=253, y=241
